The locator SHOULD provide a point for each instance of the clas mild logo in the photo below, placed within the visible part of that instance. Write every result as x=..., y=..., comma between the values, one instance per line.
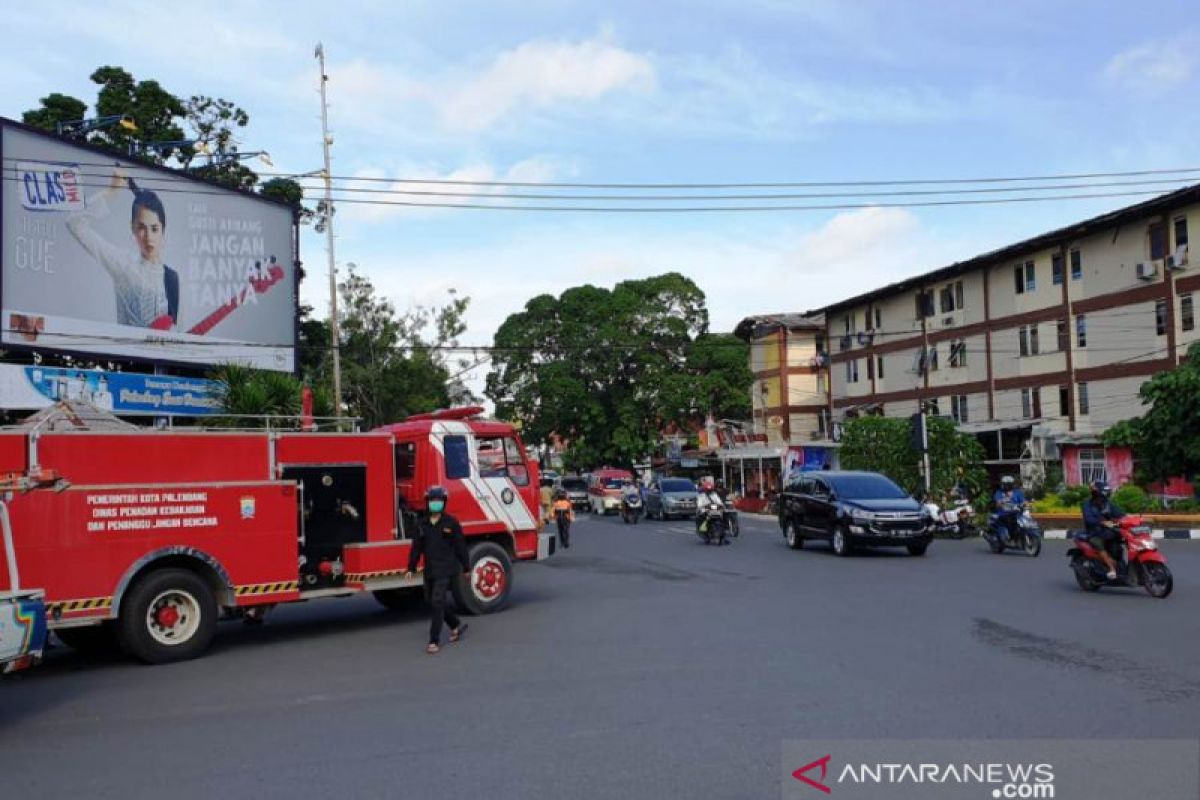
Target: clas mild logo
x=46, y=186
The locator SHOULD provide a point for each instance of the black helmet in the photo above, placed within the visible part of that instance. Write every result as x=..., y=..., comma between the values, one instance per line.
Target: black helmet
x=1101, y=489
x=436, y=493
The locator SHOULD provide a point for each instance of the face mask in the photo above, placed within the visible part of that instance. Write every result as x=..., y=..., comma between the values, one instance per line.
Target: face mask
x=437, y=506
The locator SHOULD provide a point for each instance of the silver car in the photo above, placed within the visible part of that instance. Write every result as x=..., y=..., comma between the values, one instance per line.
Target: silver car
x=576, y=489
x=671, y=497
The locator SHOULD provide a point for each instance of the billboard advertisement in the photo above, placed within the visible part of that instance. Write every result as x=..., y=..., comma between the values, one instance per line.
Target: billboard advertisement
x=99, y=254
x=126, y=393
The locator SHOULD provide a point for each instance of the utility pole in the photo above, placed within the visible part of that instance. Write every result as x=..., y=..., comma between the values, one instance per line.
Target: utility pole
x=925, y=448
x=335, y=337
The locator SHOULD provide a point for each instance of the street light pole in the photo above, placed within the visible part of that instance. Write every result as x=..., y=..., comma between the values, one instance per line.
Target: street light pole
x=326, y=141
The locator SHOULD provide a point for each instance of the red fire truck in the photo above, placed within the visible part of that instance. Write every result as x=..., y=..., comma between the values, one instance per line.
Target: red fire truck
x=148, y=537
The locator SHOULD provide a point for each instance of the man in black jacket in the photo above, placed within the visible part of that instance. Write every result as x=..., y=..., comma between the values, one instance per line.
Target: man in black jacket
x=440, y=539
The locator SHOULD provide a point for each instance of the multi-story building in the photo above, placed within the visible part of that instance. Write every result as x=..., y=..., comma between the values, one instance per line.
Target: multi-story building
x=790, y=397
x=1039, y=346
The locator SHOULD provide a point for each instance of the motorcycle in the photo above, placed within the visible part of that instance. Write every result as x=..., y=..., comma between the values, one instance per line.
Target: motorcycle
x=956, y=521
x=1026, y=534
x=631, y=509
x=731, y=518
x=1139, y=561
x=711, y=524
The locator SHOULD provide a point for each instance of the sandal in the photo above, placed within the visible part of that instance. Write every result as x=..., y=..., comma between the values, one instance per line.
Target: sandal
x=457, y=633
x=432, y=649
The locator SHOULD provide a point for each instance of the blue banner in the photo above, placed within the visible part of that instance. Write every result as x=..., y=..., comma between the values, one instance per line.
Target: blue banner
x=126, y=392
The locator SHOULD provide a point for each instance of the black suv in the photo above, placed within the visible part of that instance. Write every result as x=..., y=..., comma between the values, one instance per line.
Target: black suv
x=851, y=509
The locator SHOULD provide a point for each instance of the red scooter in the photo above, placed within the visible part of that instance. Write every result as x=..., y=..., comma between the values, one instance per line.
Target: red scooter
x=1139, y=561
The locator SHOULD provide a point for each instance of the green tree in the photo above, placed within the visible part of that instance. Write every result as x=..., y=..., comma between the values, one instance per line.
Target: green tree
x=1166, y=439
x=393, y=364
x=160, y=116
x=884, y=444
x=608, y=370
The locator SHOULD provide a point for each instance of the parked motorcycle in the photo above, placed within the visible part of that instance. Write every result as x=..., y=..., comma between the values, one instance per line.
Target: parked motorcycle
x=711, y=525
x=631, y=509
x=956, y=521
x=1139, y=561
x=1025, y=535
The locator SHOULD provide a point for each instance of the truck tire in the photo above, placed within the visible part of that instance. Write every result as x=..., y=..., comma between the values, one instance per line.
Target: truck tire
x=400, y=599
x=490, y=581
x=91, y=640
x=169, y=615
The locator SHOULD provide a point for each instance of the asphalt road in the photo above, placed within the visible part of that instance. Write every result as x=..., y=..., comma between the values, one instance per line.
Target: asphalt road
x=637, y=664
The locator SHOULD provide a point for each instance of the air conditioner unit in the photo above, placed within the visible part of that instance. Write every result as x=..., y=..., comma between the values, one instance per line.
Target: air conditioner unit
x=1147, y=270
x=1178, y=260
x=948, y=322
x=865, y=337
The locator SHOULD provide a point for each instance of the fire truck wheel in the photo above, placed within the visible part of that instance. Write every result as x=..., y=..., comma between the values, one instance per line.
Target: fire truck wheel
x=490, y=580
x=400, y=599
x=91, y=640
x=170, y=615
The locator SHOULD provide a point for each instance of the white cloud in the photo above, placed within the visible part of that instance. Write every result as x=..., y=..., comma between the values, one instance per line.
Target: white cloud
x=539, y=74
x=535, y=76
x=1155, y=66
x=384, y=196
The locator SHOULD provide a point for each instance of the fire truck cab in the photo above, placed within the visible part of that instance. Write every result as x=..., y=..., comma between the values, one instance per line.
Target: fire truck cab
x=145, y=538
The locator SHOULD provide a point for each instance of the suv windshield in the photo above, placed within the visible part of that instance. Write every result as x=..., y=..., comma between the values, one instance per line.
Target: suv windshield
x=678, y=485
x=574, y=485
x=864, y=487
x=613, y=483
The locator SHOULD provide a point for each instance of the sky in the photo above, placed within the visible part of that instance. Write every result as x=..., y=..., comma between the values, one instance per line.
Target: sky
x=664, y=92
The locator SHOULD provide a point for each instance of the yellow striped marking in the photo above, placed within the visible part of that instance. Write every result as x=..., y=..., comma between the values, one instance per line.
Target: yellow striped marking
x=266, y=588
x=88, y=604
x=359, y=577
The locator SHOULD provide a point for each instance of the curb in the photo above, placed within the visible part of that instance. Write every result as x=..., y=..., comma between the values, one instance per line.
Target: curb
x=1158, y=533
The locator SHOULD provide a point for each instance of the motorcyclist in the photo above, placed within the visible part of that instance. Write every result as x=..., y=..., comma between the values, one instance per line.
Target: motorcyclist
x=1098, y=514
x=706, y=497
x=1009, y=502
x=629, y=492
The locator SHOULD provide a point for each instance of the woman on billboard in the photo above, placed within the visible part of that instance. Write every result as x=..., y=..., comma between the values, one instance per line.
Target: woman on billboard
x=147, y=290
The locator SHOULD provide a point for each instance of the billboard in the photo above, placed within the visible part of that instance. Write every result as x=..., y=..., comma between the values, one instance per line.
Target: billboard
x=99, y=254
x=126, y=393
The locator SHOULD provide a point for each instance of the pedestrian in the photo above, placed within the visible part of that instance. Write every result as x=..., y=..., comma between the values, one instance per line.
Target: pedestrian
x=546, y=498
x=440, y=540
x=564, y=515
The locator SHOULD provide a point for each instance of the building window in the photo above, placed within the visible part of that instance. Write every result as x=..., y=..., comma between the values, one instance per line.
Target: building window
x=1064, y=402
x=1160, y=317
x=1081, y=331
x=1076, y=265
x=947, y=299
x=1064, y=338
x=1056, y=269
x=878, y=319
x=933, y=407
x=852, y=371
x=879, y=367
x=932, y=358
x=870, y=368
x=958, y=354
x=1028, y=338
x=1081, y=391
x=1181, y=237
x=1158, y=241
x=958, y=408
x=1092, y=466
x=1186, y=312
x=1026, y=277
x=823, y=422
x=1031, y=403
x=959, y=303
x=925, y=306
